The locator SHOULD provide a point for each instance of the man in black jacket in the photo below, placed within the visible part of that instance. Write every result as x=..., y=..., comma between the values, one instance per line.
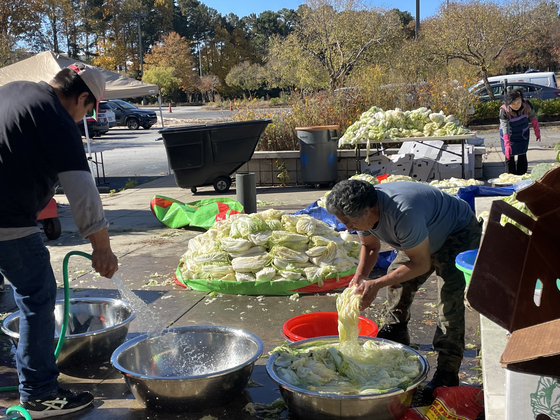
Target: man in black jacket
x=39, y=145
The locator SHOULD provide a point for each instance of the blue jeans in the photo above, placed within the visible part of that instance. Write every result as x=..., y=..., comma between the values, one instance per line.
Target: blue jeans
x=25, y=263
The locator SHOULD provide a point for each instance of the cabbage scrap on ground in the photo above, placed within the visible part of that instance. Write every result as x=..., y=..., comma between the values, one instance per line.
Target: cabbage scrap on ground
x=378, y=125
x=348, y=367
x=270, y=246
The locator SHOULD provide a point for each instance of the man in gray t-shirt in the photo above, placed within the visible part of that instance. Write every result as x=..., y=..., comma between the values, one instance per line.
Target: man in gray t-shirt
x=429, y=228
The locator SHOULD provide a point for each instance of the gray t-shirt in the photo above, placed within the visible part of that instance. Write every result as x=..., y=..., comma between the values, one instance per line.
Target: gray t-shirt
x=409, y=212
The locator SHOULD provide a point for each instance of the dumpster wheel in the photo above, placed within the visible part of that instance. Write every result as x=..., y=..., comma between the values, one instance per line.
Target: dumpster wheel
x=194, y=190
x=222, y=184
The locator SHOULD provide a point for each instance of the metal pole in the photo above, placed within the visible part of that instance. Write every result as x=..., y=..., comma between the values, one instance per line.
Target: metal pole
x=140, y=46
x=139, y=16
x=417, y=18
x=199, y=59
x=246, y=191
x=463, y=157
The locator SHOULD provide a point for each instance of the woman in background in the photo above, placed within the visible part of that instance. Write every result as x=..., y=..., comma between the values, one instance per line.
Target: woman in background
x=515, y=114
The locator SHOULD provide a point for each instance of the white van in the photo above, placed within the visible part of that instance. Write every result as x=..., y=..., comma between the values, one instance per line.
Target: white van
x=538, y=78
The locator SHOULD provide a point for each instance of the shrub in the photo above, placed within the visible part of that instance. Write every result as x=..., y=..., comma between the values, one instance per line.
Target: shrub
x=549, y=107
x=487, y=110
x=491, y=110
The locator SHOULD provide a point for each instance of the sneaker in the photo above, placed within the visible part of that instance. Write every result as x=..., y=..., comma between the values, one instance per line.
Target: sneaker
x=63, y=402
x=441, y=378
x=395, y=332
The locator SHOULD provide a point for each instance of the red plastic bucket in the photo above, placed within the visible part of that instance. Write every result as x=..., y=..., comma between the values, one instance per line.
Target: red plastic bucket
x=319, y=324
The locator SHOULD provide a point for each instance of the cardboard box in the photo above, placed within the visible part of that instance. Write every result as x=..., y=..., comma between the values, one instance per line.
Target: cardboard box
x=527, y=396
x=510, y=267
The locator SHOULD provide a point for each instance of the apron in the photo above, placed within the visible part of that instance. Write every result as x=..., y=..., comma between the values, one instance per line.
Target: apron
x=519, y=134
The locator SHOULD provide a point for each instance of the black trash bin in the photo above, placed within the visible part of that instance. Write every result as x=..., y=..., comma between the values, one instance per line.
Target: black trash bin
x=318, y=154
x=209, y=154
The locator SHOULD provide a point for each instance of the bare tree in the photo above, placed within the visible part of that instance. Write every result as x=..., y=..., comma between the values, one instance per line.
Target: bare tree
x=207, y=86
x=342, y=34
x=478, y=31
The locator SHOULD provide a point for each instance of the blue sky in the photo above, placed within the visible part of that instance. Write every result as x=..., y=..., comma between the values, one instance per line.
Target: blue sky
x=246, y=7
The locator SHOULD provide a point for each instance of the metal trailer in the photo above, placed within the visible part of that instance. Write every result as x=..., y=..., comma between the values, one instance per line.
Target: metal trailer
x=209, y=154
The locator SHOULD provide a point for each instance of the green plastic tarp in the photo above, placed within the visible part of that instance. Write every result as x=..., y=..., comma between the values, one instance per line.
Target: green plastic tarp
x=202, y=213
x=256, y=288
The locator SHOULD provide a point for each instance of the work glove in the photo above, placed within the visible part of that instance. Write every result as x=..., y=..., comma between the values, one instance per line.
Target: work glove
x=507, y=145
x=536, y=129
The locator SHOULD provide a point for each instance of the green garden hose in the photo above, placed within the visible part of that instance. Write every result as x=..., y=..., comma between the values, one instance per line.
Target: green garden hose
x=63, y=328
x=19, y=410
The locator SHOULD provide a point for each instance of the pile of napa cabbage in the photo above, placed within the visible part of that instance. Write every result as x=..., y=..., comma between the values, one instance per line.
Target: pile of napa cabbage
x=378, y=125
x=270, y=246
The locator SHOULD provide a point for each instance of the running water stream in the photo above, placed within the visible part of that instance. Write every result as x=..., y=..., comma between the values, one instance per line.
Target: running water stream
x=144, y=315
x=175, y=355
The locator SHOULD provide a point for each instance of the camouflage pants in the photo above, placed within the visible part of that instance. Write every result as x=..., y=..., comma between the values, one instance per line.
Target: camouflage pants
x=449, y=338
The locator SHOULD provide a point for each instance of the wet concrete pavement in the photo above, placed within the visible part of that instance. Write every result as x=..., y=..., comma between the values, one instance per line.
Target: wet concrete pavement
x=148, y=255
x=148, y=260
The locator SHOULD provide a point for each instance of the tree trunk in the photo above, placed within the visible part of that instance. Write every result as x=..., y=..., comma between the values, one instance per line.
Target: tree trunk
x=487, y=84
x=54, y=35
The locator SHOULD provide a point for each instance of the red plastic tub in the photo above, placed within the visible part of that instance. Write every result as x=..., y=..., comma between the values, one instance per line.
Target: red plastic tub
x=319, y=324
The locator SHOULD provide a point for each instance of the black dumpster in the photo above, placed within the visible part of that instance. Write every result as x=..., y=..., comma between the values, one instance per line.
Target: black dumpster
x=209, y=154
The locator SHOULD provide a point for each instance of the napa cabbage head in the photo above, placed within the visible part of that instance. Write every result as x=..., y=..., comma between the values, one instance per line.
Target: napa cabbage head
x=250, y=264
x=287, y=254
x=271, y=214
x=235, y=244
x=266, y=274
x=242, y=227
x=438, y=119
x=290, y=240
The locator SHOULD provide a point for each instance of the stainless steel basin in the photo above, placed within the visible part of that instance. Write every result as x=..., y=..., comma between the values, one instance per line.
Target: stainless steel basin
x=96, y=327
x=307, y=404
x=188, y=368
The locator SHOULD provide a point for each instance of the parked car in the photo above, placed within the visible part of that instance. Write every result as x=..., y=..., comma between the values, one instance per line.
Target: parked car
x=105, y=111
x=530, y=91
x=95, y=128
x=128, y=115
x=546, y=78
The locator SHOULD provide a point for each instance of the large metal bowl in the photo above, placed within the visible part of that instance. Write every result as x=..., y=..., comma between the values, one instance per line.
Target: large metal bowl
x=188, y=368
x=322, y=406
x=96, y=327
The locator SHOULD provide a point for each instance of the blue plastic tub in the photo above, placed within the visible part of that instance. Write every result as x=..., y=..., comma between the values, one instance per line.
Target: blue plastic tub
x=465, y=262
